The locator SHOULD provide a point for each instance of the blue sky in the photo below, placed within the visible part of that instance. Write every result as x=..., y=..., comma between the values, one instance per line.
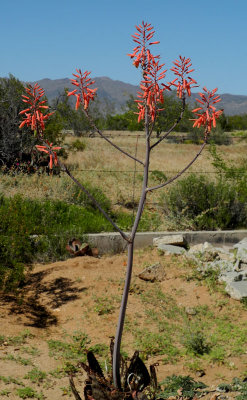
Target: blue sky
x=49, y=39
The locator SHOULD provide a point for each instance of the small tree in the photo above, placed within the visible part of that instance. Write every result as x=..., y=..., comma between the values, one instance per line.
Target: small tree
x=150, y=96
x=13, y=142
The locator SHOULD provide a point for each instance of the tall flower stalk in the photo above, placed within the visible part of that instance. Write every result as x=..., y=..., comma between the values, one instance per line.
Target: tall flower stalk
x=150, y=101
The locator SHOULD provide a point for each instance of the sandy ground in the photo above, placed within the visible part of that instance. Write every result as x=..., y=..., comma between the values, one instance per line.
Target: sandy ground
x=61, y=298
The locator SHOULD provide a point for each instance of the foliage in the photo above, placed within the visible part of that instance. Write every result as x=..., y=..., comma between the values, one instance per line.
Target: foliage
x=158, y=176
x=29, y=393
x=17, y=146
x=171, y=113
x=234, y=122
x=125, y=121
x=103, y=305
x=195, y=342
x=151, y=344
x=35, y=375
x=220, y=137
x=75, y=120
x=197, y=202
x=14, y=144
x=77, y=145
x=35, y=230
x=184, y=384
x=240, y=386
x=79, y=197
x=29, y=232
x=71, y=351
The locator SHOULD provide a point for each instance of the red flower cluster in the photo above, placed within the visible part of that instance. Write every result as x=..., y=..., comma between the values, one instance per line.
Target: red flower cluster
x=35, y=118
x=34, y=114
x=151, y=92
x=182, y=70
x=85, y=93
x=49, y=149
x=207, y=113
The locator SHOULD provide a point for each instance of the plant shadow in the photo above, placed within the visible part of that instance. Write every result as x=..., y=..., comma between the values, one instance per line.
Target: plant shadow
x=30, y=303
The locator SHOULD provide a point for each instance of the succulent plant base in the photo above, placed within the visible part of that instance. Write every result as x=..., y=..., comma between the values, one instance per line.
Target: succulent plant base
x=136, y=381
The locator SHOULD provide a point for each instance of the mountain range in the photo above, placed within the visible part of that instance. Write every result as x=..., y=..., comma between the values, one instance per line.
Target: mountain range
x=115, y=93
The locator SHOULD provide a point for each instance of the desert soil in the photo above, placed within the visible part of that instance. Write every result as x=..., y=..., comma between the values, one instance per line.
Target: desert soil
x=74, y=295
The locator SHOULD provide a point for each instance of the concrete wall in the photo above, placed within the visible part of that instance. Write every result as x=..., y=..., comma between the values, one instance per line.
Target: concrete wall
x=113, y=242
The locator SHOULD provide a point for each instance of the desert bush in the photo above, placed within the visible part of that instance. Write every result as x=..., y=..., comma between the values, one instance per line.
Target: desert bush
x=199, y=203
x=77, y=145
x=195, y=342
x=78, y=197
x=158, y=176
x=218, y=136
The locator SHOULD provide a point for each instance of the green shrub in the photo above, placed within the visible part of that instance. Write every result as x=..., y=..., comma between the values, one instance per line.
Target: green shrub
x=29, y=393
x=78, y=145
x=38, y=231
x=195, y=342
x=33, y=230
x=77, y=196
x=158, y=176
x=199, y=203
x=151, y=344
x=172, y=384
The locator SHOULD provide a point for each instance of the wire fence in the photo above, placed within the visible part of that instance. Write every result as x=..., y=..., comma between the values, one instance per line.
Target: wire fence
x=154, y=170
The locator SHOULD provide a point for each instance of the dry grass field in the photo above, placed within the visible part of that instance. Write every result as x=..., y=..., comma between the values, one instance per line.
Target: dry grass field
x=104, y=167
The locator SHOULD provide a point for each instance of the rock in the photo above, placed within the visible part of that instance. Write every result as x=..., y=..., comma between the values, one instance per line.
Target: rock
x=237, y=266
x=208, y=246
x=175, y=240
x=209, y=256
x=169, y=249
x=230, y=264
x=197, y=248
x=200, y=373
x=206, y=252
x=240, y=266
x=226, y=256
x=237, y=290
x=153, y=273
x=190, y=311
x=221, y=265
x=230, y=277
x=241, y=250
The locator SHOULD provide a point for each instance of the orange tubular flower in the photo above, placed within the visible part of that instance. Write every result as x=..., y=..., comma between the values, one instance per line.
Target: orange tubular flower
x=182, y=69
x=84, y=94
x=49, y=149
x=35, y=118
x=34, y=115
x=206, y=113
x=151, y=92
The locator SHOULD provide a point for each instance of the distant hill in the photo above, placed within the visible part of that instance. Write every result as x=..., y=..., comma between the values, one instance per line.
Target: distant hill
x=116, y=93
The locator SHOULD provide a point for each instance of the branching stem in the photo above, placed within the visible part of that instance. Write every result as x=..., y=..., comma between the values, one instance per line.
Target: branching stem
x=180, y=173
x=173, y=126
x=108, y=140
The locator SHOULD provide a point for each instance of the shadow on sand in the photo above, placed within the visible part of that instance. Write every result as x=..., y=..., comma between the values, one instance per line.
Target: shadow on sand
x=31, y=305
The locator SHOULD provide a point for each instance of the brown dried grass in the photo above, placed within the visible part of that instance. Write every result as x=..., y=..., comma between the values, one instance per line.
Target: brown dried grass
x=104, y=167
